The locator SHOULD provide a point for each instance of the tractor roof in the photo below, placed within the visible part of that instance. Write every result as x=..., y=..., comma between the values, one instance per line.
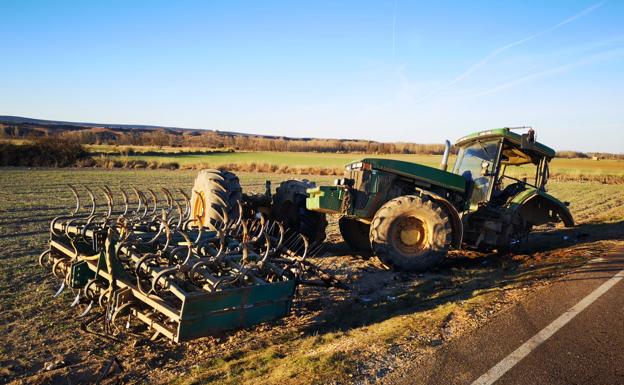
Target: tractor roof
x=538, y=148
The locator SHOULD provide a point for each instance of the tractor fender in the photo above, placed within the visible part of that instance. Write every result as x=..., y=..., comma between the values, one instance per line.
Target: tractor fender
x=537, y=207
x=456, y=223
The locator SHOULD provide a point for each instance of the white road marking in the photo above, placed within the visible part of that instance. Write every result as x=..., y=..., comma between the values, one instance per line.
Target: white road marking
x=517, y=355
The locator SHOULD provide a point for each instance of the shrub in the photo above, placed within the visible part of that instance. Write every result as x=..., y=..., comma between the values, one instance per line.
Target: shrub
x=43, y=152
x=170, y=165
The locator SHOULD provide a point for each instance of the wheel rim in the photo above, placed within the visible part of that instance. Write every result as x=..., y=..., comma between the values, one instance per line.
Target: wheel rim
x=199, y=211
x=410, y=235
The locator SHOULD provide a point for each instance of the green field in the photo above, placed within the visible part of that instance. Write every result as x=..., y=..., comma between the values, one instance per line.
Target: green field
x=302, y=159
x=330, y=160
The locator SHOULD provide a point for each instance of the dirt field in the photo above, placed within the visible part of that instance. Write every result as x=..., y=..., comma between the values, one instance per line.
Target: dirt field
x=331, y=336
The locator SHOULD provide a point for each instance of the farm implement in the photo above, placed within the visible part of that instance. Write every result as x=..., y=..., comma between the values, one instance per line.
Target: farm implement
x=220, y=259
x=182, y=267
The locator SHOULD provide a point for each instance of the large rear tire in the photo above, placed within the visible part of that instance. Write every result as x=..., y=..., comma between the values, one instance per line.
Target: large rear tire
x=289, y=207
x=215, y=198
x=355, y=234
x=411, y=233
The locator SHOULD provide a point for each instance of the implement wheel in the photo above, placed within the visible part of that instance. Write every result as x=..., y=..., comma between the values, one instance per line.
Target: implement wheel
x=411, y=233
x=216, y=195
x=355, y=234
x=289, y=207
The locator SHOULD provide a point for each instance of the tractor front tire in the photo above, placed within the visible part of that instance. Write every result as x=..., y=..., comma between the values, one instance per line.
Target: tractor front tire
x=411, y=233
x=215, y=198
x=355, y=234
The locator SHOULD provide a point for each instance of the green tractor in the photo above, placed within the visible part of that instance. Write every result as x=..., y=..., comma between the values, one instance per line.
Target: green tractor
x=410, y=215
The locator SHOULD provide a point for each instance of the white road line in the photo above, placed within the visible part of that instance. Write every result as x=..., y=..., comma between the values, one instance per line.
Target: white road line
x=516, y=356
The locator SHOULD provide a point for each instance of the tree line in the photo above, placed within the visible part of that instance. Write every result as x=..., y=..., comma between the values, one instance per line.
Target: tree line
x=217, y=140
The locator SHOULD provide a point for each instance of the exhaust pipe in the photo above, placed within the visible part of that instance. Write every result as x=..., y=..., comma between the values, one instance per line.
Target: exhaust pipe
x=445, y=157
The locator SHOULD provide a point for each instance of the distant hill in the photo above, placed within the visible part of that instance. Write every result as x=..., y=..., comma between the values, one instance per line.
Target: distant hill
x=141, y=135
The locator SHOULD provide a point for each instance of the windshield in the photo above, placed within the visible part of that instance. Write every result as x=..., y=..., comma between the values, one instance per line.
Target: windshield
x=472, y=162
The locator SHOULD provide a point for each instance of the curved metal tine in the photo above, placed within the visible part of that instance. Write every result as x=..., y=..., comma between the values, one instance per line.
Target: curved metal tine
x=155, y=199
x=245, y=242
x=145, y=204
x=139, y=201
x=187, y=204
x=160, y=275
x=267, y=244
x=221, y=235
x=282, y=232
x=167, y=238
x=189, y=245
x=161, y=228
x=60, y=290
x=76, y=300
x=125, y=200
x=304, y=246
x=87, y=310
x=109, y=192
x=263, y=225
x=75, y=192
x=109, y=203
x=93, y=204
x=180, y=213
x=240, y=213
x=169, y=199
x=226, y=219
x=70, y=216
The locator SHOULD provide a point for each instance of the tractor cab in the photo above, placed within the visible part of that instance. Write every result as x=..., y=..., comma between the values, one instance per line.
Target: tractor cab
x=498, y=164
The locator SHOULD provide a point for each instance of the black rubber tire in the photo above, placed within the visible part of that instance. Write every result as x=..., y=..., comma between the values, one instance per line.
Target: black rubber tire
x=355, y=234
x=215, y=192
x=430, y=232
x=289, y=207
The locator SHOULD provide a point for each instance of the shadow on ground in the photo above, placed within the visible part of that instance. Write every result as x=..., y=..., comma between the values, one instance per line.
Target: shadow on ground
x=464, y=273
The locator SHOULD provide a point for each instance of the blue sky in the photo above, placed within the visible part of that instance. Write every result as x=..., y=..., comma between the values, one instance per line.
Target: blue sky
x=382, y=70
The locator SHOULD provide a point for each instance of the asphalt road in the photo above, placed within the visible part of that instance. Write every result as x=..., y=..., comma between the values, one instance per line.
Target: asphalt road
x=571, y=332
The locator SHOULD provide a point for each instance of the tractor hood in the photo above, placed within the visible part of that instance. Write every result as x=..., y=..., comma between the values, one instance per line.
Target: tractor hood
x=420, y=172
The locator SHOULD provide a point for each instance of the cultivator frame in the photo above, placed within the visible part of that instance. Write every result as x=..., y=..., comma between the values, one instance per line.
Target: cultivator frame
x=157, y=265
